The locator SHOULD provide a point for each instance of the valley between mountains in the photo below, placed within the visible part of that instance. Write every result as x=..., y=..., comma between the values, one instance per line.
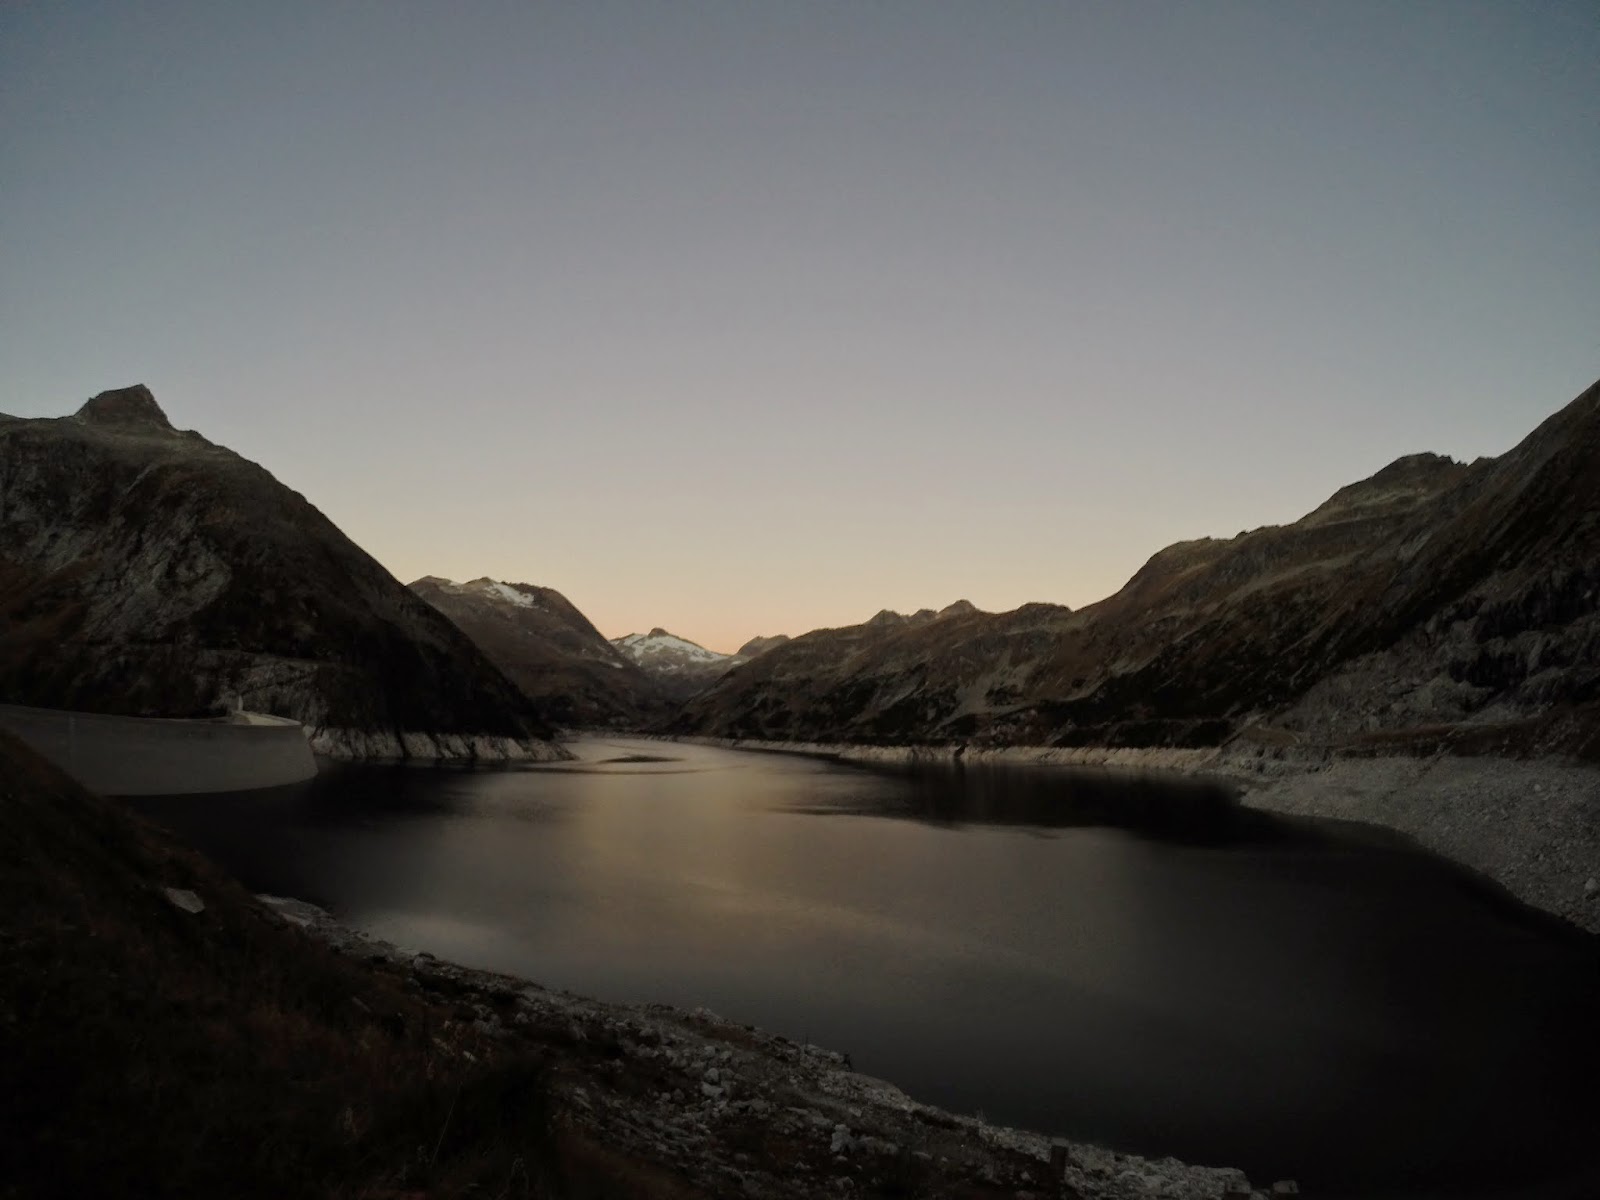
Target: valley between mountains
x=1420, y=652
x=1434, y=609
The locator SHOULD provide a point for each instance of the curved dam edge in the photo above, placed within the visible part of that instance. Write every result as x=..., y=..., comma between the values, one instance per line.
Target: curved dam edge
x=143, y=756
x=1532, y=826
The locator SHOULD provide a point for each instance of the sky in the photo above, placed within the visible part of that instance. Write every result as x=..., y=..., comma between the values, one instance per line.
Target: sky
x=748, y=318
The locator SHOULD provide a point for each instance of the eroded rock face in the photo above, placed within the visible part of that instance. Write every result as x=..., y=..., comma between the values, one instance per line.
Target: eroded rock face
x=1435, y=602
x=147, y=571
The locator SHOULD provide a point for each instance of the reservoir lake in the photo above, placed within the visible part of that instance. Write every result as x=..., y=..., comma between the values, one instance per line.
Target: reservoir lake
x=1133, y=960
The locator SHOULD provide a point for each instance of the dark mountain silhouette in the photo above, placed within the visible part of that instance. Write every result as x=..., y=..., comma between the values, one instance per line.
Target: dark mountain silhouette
x=144, y=570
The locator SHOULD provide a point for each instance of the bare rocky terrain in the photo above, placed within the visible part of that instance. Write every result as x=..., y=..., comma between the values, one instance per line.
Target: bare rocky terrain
x=760, y=645
x=1533, y=827
x=145, y=571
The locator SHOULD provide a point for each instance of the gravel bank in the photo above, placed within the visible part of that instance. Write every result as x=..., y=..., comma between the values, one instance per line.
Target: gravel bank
x=1533, y=827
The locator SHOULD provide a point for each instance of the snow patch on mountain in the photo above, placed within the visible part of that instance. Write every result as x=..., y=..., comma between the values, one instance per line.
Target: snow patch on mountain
x=677, y=663
x=507, y=592
x=658, y=643
x=491, y=589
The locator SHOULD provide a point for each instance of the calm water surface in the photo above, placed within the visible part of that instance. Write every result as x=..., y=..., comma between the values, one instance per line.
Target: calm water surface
x=1123, y=960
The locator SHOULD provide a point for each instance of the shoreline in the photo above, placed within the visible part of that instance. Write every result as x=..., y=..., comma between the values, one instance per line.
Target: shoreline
x=686, y=1088
x=1532, y=827
x=1479, y=812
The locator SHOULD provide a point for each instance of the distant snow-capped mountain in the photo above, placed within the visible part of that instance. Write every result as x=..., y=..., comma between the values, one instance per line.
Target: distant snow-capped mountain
x=679, y=666
x=667, y=653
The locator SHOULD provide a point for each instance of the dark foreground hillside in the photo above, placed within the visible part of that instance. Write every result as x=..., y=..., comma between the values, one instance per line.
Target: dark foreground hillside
x=152, y=1051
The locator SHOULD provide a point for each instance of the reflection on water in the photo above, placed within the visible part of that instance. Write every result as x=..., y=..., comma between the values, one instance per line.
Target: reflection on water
x=1113, y=958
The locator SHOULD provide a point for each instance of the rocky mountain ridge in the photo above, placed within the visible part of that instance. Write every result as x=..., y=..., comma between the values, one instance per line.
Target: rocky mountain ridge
x=757, y=646
x=147, y=571
x=549, y=649
x=1433, y=603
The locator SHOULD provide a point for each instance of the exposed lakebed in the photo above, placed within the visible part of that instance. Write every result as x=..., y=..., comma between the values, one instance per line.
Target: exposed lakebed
x=1111, y=958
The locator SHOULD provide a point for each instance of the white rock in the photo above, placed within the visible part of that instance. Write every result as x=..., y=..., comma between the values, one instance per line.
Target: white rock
x=191, y=903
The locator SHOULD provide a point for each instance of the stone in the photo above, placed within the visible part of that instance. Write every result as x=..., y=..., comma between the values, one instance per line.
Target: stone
x=842, y=1141
x=1591, y=888
x=184, y=899
x=1286, y=1187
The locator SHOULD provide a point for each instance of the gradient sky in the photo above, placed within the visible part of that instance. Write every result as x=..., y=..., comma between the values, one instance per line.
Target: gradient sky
x=742, y=318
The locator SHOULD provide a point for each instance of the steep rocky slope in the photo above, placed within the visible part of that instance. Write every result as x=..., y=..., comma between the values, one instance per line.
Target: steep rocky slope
x=548, y=649
x=1433, y=603
x=144, y=570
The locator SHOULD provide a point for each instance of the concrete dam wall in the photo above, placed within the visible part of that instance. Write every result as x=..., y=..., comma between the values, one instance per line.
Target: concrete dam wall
x=144, y=756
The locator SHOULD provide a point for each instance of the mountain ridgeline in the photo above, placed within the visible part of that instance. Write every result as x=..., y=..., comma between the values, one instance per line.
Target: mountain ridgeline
x=550, y=650
x=146, y=571
x=1433, y=605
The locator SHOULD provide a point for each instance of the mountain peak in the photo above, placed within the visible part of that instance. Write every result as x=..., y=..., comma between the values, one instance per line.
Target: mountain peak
x=129, y=406
x=1398, y=487
x=760, y=645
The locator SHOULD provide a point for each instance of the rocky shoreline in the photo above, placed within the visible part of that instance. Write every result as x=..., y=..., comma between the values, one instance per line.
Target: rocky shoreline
x=1530, y=825
x=1533, y=827
x=386, y=745
x=735, y=1111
